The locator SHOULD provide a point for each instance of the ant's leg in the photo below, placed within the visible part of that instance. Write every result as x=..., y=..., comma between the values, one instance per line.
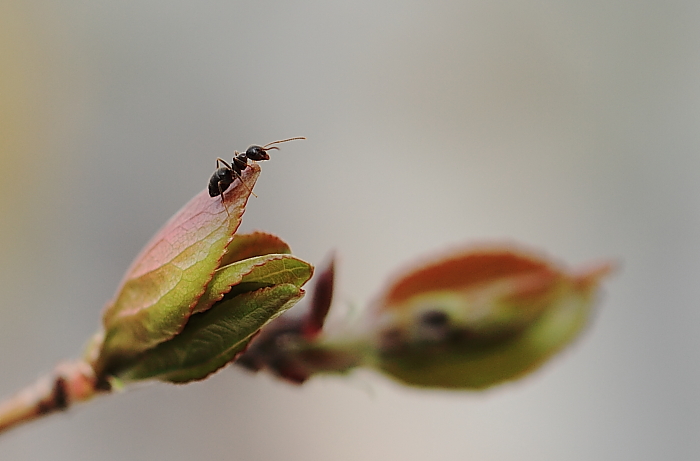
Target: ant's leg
x=240, y=178
x=220, y=160
x=221, y=193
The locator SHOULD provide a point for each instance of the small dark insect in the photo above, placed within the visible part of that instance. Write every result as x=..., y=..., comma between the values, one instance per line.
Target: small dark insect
x=225, y=175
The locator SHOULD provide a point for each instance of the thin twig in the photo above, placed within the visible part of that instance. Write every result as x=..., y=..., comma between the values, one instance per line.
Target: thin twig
x=70, y=382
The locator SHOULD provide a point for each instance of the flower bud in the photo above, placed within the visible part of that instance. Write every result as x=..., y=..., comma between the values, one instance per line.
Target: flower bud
x=480, y=317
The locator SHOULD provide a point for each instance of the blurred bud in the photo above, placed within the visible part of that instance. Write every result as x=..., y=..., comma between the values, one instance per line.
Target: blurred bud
x=281, y=346
x=477, y=318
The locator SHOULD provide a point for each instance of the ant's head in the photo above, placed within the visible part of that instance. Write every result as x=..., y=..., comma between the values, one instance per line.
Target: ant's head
x=258, y=153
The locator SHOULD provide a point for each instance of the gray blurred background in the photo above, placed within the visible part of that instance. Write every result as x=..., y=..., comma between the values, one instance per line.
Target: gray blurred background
x=569, y=127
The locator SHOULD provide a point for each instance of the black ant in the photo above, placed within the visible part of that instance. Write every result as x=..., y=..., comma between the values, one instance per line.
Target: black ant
x=225, y=175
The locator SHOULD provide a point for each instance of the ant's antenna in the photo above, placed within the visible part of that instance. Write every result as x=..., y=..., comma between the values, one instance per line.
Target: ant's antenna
x=277, y=142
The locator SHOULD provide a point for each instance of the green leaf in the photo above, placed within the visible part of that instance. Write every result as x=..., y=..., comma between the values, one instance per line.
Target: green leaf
x=253, y=274
x=214, y=338
x=171, y=273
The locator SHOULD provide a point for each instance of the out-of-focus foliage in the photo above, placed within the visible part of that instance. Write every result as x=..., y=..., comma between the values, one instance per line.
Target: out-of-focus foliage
x=470, y=320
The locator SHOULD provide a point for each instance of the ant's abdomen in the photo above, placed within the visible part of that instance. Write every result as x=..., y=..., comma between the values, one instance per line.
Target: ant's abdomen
x=219, y=181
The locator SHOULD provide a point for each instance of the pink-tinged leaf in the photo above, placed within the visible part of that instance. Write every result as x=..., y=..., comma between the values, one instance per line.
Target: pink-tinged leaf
x=252, y=274
x=244, y=246
x=171, y=273
x=480, y=317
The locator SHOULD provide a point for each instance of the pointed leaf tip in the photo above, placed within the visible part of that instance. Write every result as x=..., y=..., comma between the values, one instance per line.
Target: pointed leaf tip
x=320, y=301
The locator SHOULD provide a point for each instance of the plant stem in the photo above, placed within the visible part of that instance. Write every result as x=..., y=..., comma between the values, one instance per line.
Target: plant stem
x=70, y=382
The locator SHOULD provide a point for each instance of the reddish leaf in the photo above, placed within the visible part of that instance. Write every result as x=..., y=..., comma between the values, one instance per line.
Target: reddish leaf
x=320, y=301
x=466, y=269
x=244, y=246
